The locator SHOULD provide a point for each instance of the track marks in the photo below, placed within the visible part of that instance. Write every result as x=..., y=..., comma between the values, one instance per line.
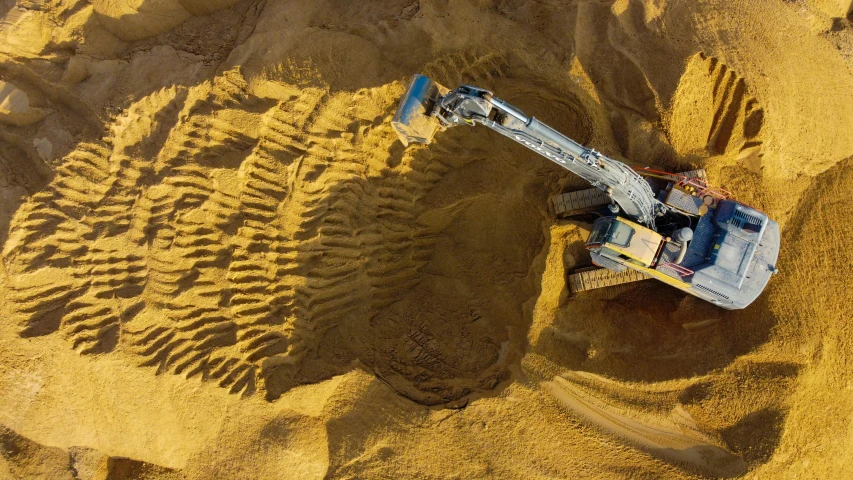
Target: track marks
x=355, y=246
x=252, y=243
x=713, y=111
x=224, y=235
x=458, y=68
x=675, y=437
x=261, y=274
x=734, y=107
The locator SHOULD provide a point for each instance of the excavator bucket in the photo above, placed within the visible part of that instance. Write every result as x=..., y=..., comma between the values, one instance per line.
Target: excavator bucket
x=413, y=121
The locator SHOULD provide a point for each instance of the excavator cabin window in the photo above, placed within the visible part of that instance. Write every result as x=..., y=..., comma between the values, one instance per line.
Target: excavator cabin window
x=620, y=234
x=598, y=234
x=609, y=230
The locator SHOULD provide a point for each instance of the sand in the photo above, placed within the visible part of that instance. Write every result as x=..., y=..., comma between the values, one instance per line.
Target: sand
x=218, y=260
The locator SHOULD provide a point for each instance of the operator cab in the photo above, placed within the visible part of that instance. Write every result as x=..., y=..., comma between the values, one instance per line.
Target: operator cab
x=623, y=241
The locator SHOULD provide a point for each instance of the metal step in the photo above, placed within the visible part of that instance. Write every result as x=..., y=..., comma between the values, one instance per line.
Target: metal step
x=607, y=263
x=683, y=201
x=699, y=173
x=579, y=201
x=669, y=252
x=590, y=279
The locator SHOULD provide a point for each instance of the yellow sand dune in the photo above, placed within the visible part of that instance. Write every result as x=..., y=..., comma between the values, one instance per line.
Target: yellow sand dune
x=218, y=261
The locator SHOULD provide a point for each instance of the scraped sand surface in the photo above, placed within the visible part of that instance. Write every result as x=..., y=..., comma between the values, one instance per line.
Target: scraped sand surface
x=218, y=261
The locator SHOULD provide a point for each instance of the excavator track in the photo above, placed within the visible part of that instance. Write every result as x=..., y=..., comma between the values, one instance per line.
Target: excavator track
x=595, y=277
x=579, y=201
x=589, y=199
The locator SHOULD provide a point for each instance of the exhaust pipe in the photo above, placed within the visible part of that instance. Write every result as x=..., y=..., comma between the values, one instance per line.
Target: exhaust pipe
x=682, y=236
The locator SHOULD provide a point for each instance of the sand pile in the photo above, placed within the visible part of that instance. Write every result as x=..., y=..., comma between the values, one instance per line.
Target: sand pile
x=219, y=261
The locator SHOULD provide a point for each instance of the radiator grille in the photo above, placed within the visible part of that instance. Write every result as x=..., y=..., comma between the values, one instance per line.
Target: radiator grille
x=713, y=292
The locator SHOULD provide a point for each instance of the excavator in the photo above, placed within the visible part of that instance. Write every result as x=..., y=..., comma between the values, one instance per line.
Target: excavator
x=675, y=228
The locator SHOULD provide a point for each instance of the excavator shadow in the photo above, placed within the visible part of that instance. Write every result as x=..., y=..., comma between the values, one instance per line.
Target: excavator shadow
x=419, y=280
x=641, y=332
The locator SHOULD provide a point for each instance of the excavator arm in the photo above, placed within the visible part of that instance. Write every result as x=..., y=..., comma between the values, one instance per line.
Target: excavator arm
x=734, y=247
x=428, y=107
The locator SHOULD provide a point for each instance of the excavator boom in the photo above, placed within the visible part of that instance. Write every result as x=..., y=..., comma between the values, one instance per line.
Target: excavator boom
x=428, y=107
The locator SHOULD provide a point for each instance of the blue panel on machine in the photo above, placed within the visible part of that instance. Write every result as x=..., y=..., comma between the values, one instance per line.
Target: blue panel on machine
x=703, y=238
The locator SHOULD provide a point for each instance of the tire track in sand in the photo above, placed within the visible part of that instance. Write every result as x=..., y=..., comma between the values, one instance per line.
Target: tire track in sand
x=675, y=439
x=223, y=236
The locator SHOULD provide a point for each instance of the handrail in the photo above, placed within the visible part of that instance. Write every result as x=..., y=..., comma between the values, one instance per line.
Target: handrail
x=680, y=269
x=702, y=186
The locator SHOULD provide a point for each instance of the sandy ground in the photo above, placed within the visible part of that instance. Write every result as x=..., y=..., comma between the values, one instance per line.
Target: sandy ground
x=218, y=260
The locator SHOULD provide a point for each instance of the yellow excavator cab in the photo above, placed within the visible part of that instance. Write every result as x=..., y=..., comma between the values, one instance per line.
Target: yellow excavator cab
x=627, y=239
